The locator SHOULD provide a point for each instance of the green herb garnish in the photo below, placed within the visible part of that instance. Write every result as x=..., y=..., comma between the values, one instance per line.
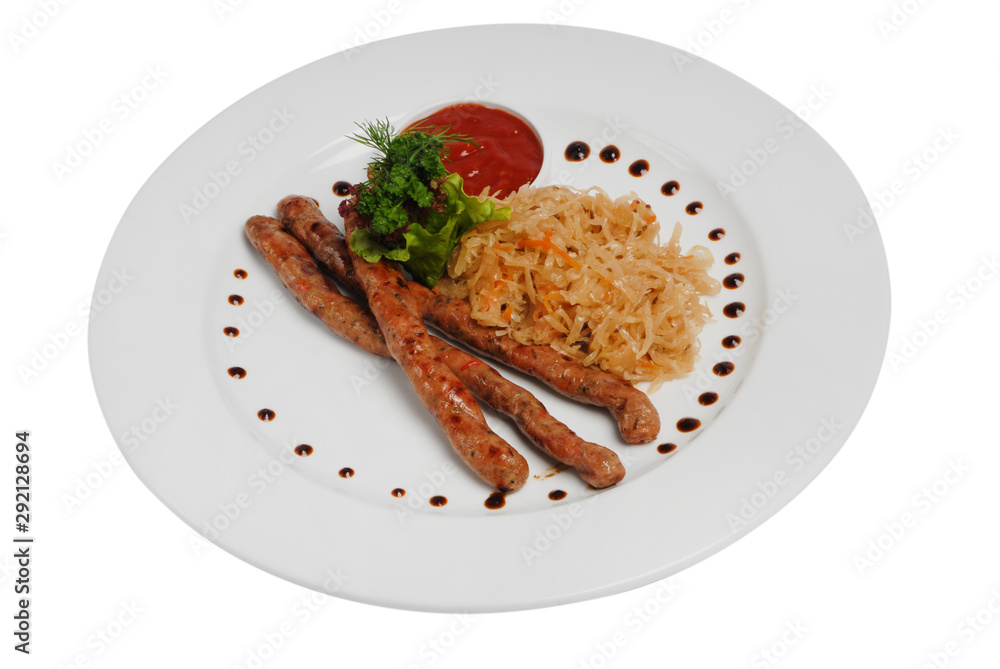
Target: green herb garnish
x=417, y=209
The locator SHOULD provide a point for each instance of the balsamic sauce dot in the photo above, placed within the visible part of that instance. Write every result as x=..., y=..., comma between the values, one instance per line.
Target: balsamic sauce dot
x=240, y=274
x=230, y=331
x=557, y=495
x=610, y=153
x=495, y=501
x=733, y=258
x=236, y=300
x=733, y=281
x=708, y=399
x=266, y=415
x=717, y=234
x=694, y=208
x=688, y=424
x=346, y=473
x=666, y=448
x=734, y=309
x=342, y=188
x=732, y=341
x=438, y=500
x=397, y=492
x=577, y=151
x=670, y=188
x=303, y=450
x=638, y=168
x=237, y=372
x=724, y=368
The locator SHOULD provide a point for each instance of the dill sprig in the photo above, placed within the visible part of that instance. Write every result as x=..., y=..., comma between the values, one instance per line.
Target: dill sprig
x=401, y=175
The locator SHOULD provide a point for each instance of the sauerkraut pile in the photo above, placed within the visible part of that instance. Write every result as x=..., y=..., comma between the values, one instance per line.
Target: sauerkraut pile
x=587, y=275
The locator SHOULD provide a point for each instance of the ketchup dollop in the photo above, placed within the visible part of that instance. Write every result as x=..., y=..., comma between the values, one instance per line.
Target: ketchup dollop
x=509, y=154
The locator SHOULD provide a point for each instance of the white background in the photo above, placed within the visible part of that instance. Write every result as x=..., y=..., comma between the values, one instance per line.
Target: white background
x=120, y=564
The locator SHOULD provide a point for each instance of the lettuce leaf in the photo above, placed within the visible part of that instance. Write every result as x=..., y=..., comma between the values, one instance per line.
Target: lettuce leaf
x=428, y=245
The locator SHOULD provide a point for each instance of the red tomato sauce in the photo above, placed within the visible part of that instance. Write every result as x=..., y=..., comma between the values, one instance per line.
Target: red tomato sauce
x=509, y=153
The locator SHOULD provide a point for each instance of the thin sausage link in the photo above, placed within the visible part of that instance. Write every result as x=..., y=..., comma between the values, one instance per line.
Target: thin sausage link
x=440, y=391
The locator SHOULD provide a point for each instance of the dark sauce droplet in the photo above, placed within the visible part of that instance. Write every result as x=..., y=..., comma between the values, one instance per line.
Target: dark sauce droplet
x=733, y=281
x=666, y=448
x=733, y=258
x=495, y=501
x=638, y=168
x=717, y=234
x=610, y=153
x=438, y=500
x=398, y=492
x=237, y=372
x=303, y=450
x=236, y=300
x=732, y=341
x=346, y=473
x=694, y=208
x=266, y=415
x=708, y=399
x=577, y=151
x=723, y=368
x=240, y=274
x=342, y=188
x=230, y=331
x=557, y=495
x=670, y=188
x=688, y=424
x=734, y=309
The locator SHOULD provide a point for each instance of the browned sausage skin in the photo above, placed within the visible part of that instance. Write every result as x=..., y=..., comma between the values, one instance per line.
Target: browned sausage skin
x=440, y=391
x=638, y=420
x=596, y=465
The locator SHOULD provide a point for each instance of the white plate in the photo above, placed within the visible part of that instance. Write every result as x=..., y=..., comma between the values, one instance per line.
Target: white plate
x=814, y=331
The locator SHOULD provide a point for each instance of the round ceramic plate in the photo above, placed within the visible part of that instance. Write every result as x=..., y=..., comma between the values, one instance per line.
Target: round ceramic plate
x=314, y=461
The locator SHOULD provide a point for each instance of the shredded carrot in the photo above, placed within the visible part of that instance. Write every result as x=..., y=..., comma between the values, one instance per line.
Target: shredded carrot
x=549, y=246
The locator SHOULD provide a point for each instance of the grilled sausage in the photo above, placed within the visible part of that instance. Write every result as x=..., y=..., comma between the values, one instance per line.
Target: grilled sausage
x=596, y=465
x=638, y=420
x=440, y=391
